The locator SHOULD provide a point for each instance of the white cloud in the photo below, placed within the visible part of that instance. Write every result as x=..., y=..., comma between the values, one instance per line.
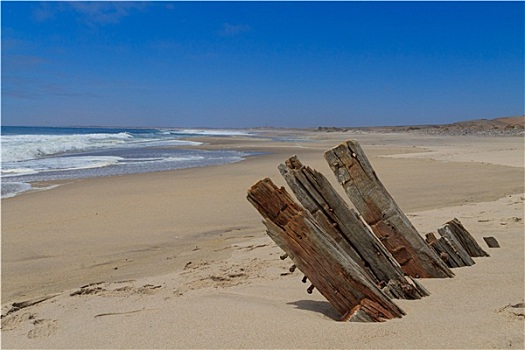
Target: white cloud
x=105, y=12
x=44, y=11
x=89, y=12
x=233, y=29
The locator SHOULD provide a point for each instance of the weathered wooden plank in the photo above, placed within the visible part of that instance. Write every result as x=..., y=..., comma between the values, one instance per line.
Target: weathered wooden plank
x=465, y=239
x=388, y=222
x=337, y=277
x=317, y=195
x=366, y=311
x=435, y=244
x=445, y=232
x=491, y=242
x=447, y=251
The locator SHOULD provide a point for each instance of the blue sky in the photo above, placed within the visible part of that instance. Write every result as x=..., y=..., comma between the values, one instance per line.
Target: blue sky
x=249, y=64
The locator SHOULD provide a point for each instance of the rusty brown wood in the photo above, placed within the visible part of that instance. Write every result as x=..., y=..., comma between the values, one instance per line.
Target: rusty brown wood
x=329, y=269
x=317, y=195
x=456, y=229
x=388, y=222
x=366, y=311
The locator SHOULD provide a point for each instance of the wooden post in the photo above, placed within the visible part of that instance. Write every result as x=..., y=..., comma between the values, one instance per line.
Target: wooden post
x=456, y=229
x=448, y=251
x=330, y=270
x=318, y=196
x=388, y=222
x=446, y=233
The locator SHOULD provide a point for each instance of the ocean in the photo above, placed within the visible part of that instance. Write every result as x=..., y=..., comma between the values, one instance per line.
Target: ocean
x=31, y=154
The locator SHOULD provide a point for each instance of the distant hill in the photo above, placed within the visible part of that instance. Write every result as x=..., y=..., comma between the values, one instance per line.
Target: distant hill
x=512, y=120
x=497, y=126
x=503, y=126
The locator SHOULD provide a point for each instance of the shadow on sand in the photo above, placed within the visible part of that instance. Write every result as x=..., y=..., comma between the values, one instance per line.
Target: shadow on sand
x=322, y=307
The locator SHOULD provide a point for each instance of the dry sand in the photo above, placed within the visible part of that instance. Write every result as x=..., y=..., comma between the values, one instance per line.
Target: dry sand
x=183, y=260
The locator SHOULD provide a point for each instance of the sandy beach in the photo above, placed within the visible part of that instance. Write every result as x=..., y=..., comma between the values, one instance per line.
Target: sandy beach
x=180, y=259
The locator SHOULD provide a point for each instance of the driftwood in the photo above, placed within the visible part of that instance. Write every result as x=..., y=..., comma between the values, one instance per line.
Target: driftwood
x=433, y=242
x=455, y=229
x=491, y=242
x=458, y=248
x=448, y=251
x=337, y=277
x=332, y=213
x=388, y=222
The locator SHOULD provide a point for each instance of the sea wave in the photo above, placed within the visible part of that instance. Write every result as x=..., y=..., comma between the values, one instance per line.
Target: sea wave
x=35, y=166
x=37, y=154
x=25, y=147
x=17, y=148
x=11, y=189
x=208, y=132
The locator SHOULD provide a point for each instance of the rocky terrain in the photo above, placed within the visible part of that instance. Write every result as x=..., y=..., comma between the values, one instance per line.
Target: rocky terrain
x=507, y=126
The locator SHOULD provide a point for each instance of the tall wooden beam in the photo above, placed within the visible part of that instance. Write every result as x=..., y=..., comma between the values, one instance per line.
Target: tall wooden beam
x=317, y=195
x=388, y=222
x=337, y=277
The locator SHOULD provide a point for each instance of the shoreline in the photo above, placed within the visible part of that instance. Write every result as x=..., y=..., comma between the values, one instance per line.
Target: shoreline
x=286, y=136
x=163, y=228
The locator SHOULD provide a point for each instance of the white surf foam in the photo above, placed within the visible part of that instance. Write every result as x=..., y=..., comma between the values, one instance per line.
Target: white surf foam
x=210, y=132
x=25, y=147
x=35, y=166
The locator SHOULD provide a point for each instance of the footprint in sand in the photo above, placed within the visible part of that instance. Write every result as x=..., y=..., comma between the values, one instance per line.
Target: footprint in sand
x=12, y=321
x=515, y=312
x=43, y=329
x=511, y=221
x=112, y=289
